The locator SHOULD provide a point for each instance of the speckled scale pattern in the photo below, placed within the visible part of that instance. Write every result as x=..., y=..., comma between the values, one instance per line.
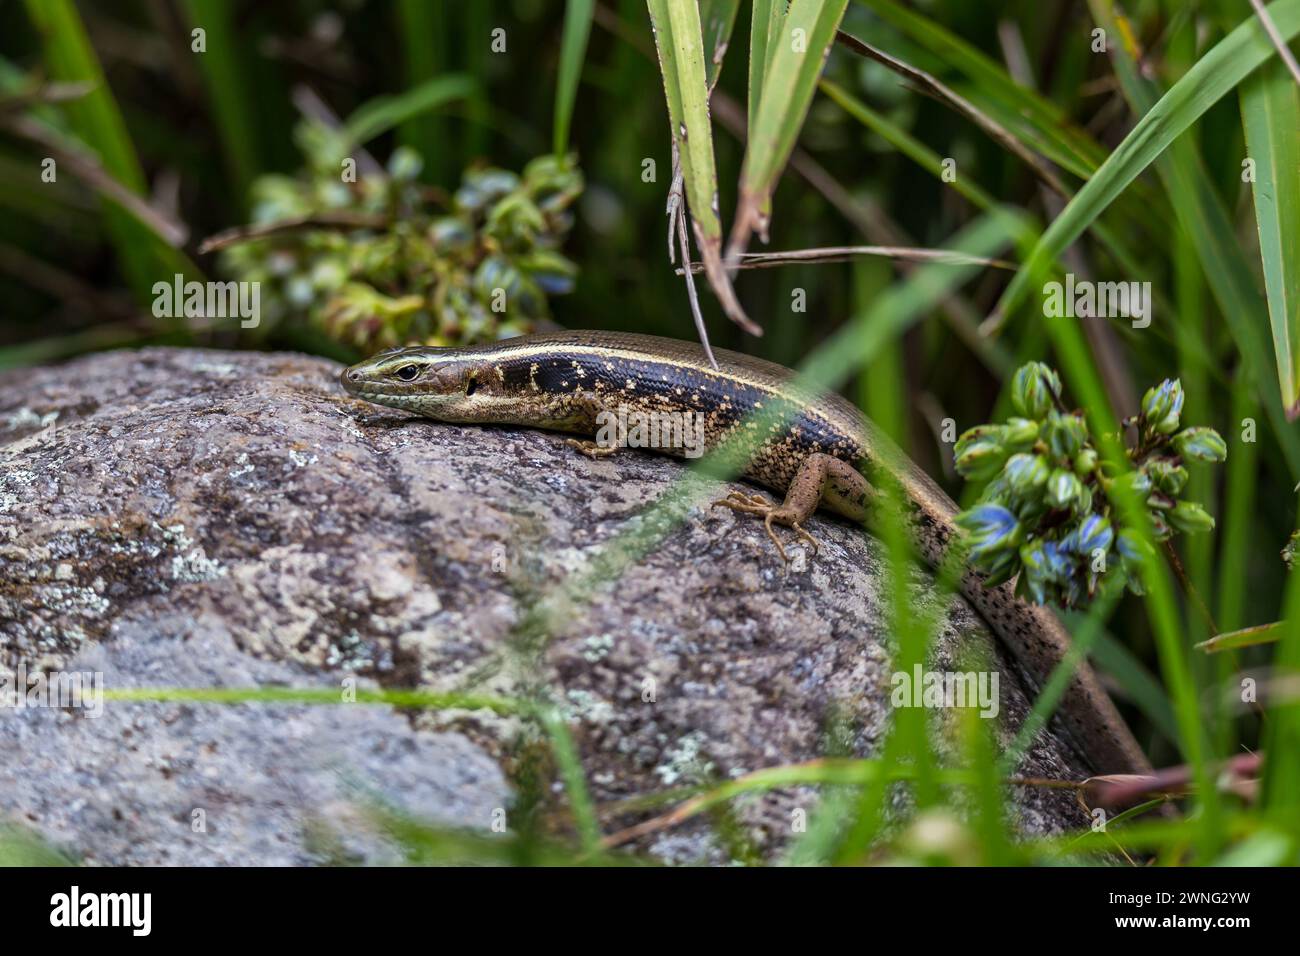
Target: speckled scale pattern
x=663, y=374
x=563, y=379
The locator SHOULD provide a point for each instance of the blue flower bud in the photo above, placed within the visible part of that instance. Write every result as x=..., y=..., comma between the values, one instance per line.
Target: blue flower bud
x=1034, y=390
x=1046, y=565
x=1065, y=434
x=1159, y=501
x=991, y=528
x=404, y=163
x=1137, y=483
x=1165, y=475
x=1162, y=405
x=1201, y=444
x=1132, y=549
x=1020, y=434
x=1085, y=463
x=1064, y=489
x=1034, y=579
x=980, y=452
x=1000, y=567
x=1095, y=533
x=1026, y=474
x=1191, y=517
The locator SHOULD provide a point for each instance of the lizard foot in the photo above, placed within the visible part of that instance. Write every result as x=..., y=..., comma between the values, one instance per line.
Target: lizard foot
x=771, y=514
x=591, y=449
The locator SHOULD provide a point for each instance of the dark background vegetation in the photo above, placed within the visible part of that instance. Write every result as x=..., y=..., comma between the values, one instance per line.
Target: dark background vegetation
x=64, y=292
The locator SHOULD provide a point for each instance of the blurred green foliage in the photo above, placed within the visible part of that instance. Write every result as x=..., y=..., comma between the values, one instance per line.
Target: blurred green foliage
x=404, y=265
x=473, y=88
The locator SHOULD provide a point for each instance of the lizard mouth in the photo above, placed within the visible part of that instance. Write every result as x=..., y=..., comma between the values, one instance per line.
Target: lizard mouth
x=352, y=381
x=356, y=382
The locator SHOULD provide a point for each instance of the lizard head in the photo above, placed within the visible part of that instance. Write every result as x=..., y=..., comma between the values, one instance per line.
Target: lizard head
x=448, y=384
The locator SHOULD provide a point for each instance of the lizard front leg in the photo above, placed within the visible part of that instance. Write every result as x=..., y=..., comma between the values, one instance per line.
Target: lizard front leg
x=592, y=449
x=820, y=478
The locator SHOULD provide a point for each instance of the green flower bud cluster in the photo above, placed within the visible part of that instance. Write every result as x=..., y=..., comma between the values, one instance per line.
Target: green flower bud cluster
x=1046, y=513
x=387, y=260
x=1289, y=550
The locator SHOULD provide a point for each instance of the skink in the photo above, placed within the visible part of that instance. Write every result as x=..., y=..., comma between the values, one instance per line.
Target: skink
x=818, y=450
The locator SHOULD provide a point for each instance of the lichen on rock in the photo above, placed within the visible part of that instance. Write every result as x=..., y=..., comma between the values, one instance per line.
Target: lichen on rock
x=181, y=518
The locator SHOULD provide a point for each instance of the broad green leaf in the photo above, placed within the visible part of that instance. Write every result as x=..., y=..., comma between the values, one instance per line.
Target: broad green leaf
x=382, y=113
x=1270, y=110
x=679, y=42
x=573, y=49
x=797, y=54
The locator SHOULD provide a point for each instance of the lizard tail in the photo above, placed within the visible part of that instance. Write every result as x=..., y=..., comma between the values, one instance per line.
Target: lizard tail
x=1090, y=716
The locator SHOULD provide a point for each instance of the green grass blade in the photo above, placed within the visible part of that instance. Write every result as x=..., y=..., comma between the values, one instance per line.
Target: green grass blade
x=382, y=113
x=1270, y=110
x=1205, y=220
x=717, y=18
x=1080, y=372
x=575, y=782
x=1044, y=124
x=1139, y=683
x=764, y=29
x=1281, y=791
x=932, y=163
x=764, y=32
x=1222, y=68
x=905, y=143
x=226, y=77
x=987, y=790
x=573, y=49
x=95, y=116
x=20, y=846
x=97, y=121
x=1238, y=538
x=1246, y=637
x=427, y=52
x=799, y=53
x=679, y=41
x=102, y=336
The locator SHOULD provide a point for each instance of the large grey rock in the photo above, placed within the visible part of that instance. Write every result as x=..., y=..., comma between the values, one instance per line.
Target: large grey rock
x=186, y=518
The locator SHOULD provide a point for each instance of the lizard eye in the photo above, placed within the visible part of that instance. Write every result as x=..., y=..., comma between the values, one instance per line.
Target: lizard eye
x=408, y=373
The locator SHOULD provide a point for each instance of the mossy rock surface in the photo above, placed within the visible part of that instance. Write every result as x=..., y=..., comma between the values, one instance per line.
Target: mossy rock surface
x=193, y=518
